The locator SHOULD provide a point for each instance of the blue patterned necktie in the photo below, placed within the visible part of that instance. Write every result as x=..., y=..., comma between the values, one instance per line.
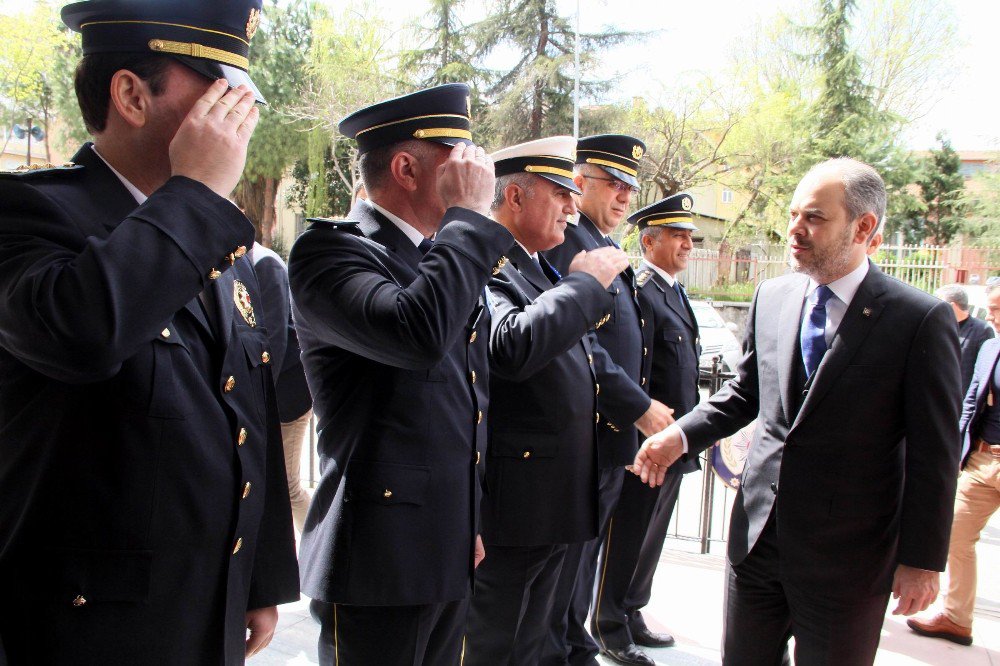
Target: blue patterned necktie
x=813, y=333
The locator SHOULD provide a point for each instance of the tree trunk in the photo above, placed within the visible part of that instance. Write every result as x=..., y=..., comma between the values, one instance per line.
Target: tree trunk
x=257, y=200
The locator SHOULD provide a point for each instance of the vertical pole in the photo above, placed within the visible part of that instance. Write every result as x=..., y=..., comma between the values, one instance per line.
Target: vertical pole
x=576, y=76
x=29, y=141
x=708, y=480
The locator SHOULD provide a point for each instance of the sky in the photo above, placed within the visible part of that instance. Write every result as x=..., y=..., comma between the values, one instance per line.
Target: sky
x=696, y=36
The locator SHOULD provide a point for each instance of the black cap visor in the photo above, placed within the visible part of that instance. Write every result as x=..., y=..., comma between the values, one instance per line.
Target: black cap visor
x=216, y=70
x=561, y=181
x=620, y=175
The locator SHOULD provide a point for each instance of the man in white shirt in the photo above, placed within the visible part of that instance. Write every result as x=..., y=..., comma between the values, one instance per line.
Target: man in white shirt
x=847, y=493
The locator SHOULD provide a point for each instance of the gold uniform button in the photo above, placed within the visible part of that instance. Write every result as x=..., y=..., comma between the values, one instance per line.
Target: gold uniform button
x=642, y=323
x=387, y=494
x=230, y=384
x=214, y=274
x=265, y=358
x=231, y=258
x=597, y=389
x=526, y=455
x=79, y=601
x=477, y=457
x=246, y=490
x=479, y=417
x=239, y=544
x=240, y=251
x=597, y=417
x=590, y=359
x=643, y=382
x=165, y=333
x=472, y=376
x=645, y=351
x=472, y=338
x=242, y=438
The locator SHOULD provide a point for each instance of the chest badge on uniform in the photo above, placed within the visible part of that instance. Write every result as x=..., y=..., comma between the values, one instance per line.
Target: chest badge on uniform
x=241, y=296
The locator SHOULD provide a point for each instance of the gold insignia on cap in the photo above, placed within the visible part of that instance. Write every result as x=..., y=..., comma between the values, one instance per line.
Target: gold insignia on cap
x=253, y=22
x=686, y=203
x=637, y=151
x=242, y=299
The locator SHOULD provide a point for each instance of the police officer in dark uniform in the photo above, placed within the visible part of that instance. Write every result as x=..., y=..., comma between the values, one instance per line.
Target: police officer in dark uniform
x=639, y=523
x=606, y=173
x=542, y=463
x=145, y=515
x=394, y=329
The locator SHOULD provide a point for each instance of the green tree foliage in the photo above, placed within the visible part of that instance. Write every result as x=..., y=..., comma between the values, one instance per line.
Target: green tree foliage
x=445, y=53
x=28, y=47
x=939, y=216
x=981, y=200
x=278, y=54
x=533, y=98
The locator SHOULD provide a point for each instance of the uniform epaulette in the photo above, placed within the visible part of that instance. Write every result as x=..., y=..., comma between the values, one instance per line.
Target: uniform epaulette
x=40, y=170
x=333, y=223
x=642, y=277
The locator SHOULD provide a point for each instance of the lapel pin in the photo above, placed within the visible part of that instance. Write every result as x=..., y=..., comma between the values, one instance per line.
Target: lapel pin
x=867, y=312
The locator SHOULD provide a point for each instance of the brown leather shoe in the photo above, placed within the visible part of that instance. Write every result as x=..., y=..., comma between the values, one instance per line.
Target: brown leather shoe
x=941, y=626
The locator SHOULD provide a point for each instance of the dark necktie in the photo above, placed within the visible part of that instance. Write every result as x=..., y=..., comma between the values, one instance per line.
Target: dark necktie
x=813, y=334
x=425, y=245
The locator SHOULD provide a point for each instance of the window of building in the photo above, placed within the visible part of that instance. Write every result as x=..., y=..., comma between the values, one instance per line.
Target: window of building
x=727, y=196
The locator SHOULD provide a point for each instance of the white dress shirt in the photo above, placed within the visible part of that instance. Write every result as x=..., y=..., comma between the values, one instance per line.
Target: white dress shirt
x=662, y=273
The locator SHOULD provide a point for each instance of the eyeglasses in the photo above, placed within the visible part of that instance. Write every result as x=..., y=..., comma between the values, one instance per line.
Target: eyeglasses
x=616, y=184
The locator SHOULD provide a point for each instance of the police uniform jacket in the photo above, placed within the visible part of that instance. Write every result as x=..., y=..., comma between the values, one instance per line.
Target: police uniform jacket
x=394, y=347
x=145, y=507
x=672, y=361
x=625, y=336
x=542, y=471
x=860, y=463
x=293, y=395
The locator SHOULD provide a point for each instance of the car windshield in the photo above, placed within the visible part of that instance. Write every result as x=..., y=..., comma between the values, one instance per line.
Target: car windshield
x=707, y=316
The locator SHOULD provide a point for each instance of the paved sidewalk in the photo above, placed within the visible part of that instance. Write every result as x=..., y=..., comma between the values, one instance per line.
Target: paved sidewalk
x=687, y=602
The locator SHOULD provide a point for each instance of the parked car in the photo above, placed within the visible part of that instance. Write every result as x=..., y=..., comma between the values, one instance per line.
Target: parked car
x=717, y=337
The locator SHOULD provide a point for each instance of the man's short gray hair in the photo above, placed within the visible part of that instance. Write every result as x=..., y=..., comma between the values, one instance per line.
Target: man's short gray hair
x=525, y=181
x=954, y=293
x=864, y=189
x=654, y=232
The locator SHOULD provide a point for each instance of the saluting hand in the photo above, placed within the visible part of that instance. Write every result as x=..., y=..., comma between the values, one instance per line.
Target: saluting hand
x=210, y=146
x=604, y=264
x=466, y=179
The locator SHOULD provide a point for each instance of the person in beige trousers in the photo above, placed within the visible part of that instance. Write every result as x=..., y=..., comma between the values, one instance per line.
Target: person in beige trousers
x=978, y=495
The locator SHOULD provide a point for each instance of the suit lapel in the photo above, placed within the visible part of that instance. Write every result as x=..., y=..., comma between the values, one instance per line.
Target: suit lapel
x=528, y=269
x=591, y=228
x=862, y=314
x=675, y=303
x=789, y=322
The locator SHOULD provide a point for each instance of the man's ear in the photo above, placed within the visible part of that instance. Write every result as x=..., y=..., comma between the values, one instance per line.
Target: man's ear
x=578, y=179
x=130, y=98
x=405, y=170
x=866, y=227
x=513, y=194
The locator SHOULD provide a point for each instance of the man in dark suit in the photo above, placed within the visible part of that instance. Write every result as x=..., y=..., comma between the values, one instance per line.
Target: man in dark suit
x=972, y=332
x=145, y=515
x=978, y=495
x=639, y=523
x=542, y=463
x=394, y=329
x=605, y=173
x=847, y=492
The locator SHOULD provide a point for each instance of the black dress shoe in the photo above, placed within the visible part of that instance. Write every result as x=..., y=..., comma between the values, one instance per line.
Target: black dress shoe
x=630, y=654
x=646, y=638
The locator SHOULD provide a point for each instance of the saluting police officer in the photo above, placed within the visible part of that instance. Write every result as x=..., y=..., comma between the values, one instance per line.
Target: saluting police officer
x=639, y=523
x=606, y=171
x=145, y=515
x=541, y=476
x=392, y=319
